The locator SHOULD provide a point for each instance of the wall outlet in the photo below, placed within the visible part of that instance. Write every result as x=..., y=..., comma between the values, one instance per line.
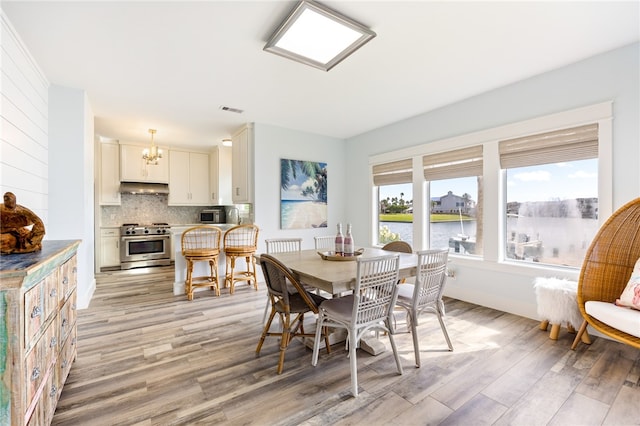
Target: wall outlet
x=451, y=273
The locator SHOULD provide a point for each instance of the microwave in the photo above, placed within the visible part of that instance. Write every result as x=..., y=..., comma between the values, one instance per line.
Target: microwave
x=213, y=215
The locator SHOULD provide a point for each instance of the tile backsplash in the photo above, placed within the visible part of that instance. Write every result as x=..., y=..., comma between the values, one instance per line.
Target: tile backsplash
x=146, y=209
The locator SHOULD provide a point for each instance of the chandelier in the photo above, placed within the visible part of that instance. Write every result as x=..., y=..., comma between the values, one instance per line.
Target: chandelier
x=153, y=154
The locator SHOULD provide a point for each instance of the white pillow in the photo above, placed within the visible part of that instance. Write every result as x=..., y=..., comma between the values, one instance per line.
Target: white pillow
x=630, y=297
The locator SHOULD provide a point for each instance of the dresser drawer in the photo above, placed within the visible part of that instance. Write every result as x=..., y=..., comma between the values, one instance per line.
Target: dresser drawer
x=67, y=317
x=40, y=304
x=46, y=405
x=51, y=294
x=68, y=277
x=35, y=369
x=67, y=356
x=33, y=314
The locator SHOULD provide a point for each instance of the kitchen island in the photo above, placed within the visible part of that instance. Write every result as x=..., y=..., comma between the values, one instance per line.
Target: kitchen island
x=199, y=268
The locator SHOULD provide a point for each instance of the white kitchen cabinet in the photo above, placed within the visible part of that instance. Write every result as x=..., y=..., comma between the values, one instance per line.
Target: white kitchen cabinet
x=214, y=179
x=220, y=175
x=242, y=165
x=109, y=174
x=109, y=247
x=133, y=168
x=188, y=178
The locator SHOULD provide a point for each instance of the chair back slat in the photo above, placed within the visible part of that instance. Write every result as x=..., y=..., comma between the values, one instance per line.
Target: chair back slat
x=274, y=277
x=279, y=281
x=399, y=246
x=283, y=245
x=324, y=242
x=201, y=240
x=431, y=276
x=244, y=237
x=374, y=293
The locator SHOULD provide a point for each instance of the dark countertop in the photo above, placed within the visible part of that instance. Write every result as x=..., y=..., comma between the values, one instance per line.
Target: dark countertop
x=22, y=264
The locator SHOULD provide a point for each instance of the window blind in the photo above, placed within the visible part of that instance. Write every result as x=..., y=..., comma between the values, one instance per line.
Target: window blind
x=453, y=164
x=393, y=173
x=577, y=143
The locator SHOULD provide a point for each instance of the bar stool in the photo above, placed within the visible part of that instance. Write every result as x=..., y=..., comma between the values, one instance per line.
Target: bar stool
x=240, y=242
x=201, y=244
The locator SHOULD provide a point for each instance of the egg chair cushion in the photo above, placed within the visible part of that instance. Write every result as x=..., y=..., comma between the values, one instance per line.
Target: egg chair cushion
x=618, y=317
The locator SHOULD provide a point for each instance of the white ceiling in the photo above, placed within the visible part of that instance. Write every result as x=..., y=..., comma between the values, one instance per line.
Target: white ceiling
x=172, y=65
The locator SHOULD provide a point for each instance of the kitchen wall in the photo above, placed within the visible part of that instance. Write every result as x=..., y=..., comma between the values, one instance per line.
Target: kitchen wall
x=146, y=209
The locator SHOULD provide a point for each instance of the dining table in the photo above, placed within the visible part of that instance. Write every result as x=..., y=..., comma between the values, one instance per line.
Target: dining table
x=322, y=270
x=319, y=269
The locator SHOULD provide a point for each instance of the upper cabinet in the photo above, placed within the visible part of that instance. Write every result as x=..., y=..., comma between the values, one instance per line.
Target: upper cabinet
x=242, y=165
x=133, y=168
x=188, y=178
x=220, y=175
x=109, y=193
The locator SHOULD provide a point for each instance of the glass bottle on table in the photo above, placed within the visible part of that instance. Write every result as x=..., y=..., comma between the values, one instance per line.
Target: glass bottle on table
x=339, y=242
x=348, y=242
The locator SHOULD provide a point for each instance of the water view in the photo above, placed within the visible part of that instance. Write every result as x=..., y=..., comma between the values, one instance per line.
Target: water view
x=558, y=241
x=440, y=231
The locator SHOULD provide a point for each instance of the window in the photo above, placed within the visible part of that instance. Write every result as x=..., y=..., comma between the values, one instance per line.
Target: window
x=527, y=194
x=455, y=202
x=395, y=201
x=551, y=197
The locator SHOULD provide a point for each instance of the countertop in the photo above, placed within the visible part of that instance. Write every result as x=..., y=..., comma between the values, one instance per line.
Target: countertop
x=23, y=264
x=223, y=226
x=179, y=225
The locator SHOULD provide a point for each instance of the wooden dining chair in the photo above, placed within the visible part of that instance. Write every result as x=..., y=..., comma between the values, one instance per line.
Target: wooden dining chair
x=368, y=309
x=201, y=244
x=325, y=242
x=290, y=301
x=398, y=246
x=283, y=245
x=240, y=242
x=280, y=245
x=426, y=294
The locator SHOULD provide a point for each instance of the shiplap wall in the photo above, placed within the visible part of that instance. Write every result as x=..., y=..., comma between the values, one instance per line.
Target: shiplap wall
x=24, y=151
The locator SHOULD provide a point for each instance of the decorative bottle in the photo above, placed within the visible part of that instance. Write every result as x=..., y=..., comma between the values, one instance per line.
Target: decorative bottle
x=339, y=241
x=348, y=242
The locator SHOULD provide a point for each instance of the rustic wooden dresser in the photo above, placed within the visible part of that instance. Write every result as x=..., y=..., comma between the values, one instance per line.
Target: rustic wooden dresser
x=37, y=330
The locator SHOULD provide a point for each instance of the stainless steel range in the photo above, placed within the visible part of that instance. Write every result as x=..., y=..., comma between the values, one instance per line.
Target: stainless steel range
x=145, y=245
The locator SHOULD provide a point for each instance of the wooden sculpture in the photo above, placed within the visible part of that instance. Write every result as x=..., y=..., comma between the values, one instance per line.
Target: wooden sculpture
x=22, y=230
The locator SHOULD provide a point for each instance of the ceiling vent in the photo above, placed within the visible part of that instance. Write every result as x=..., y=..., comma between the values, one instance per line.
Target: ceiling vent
x=230, y=109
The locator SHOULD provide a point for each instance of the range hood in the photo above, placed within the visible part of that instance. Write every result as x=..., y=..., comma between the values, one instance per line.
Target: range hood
x=143, y=188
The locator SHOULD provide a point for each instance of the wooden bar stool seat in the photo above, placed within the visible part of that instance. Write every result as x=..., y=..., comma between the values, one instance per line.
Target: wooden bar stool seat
x=240, y=242
x=201, y=244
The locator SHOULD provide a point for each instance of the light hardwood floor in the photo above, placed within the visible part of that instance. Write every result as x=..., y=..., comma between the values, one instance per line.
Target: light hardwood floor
x=146, y=357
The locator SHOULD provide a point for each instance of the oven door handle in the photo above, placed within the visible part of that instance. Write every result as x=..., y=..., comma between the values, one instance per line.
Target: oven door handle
x=144, y=237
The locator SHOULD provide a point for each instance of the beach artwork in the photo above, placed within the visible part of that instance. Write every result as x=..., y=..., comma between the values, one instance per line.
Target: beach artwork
x=303, y=194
